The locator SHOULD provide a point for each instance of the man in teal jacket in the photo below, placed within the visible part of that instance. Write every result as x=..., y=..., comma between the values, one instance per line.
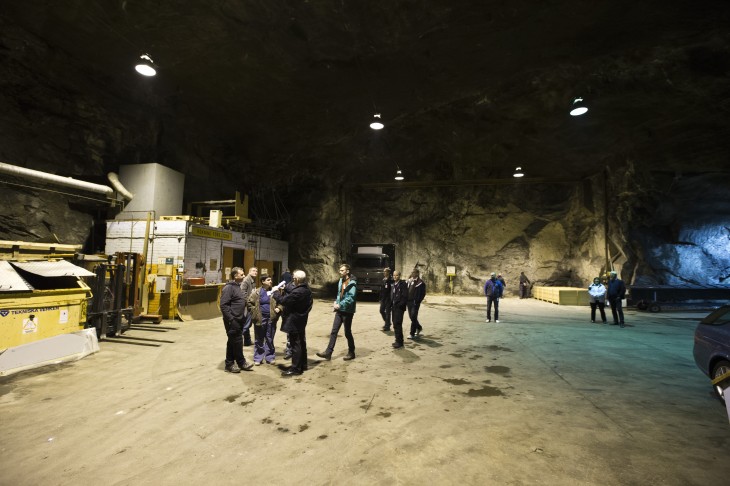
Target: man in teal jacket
x=344, y=309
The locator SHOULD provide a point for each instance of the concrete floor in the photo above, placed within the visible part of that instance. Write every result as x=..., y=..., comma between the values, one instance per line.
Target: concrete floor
x=543, y=397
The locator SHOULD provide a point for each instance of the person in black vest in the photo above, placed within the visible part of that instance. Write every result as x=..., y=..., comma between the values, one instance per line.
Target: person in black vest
x=385, y=288
x=616, y=293
x=416, y=294
x=296, y=305
x=232, y=305
x=398, y=302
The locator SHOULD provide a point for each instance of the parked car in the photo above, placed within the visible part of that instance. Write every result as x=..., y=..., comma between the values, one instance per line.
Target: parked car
x=712, y=345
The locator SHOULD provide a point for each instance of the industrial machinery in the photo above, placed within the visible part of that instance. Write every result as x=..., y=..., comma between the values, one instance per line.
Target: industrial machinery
x=116, y=290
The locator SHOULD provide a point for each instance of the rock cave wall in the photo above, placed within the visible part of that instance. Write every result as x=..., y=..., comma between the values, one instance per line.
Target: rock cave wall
x=664, y=227
x=660, y=232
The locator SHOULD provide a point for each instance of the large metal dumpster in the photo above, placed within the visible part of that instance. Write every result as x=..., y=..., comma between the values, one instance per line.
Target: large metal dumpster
x=40, y=300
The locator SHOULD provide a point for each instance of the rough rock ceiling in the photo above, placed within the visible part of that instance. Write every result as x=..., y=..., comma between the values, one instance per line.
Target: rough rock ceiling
x=469, y=89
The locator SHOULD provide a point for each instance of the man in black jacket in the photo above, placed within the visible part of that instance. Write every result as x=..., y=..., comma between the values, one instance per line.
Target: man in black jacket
x=248, y=285
x=616, y=293
x=296, y=304
x=398, y=300
x=385, y=305
x=232, y=305
x=416, y=294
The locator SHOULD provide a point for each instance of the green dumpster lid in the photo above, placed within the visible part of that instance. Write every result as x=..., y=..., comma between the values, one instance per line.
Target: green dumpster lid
x=10, y=281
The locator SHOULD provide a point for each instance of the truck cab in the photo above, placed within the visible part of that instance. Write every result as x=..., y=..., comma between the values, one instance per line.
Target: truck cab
x=367, y=262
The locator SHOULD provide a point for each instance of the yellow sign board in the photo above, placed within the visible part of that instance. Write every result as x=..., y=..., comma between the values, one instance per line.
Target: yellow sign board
x=211, y=233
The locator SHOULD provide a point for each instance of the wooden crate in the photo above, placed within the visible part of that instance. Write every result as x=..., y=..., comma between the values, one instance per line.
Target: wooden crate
x=561, y=295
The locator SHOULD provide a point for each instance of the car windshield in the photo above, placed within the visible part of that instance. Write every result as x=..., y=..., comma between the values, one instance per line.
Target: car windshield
x=718, y=318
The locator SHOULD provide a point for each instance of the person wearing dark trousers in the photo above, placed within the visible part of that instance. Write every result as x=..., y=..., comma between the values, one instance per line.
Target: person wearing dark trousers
x=247, y=286
x=493, y=290
x=616, y=293
x=398, y=301
x=524, y=286
x=597, y=298
x=344, y=309
x=385, y=287
x=259, y=305
x=276, y=296
x=295, y=306
x=416, y=294
x=232, y=305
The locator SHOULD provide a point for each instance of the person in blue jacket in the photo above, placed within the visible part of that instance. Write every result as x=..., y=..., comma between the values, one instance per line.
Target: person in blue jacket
x=493, y=289
x=344, y=309
x=616, y=293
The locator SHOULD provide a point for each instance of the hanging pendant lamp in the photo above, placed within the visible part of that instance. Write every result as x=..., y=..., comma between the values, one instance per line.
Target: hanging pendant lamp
x=145, y=66
x=377, y=123
x=578, y=108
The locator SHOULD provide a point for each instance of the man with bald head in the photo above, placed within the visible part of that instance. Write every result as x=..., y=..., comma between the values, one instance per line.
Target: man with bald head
x=295, y=305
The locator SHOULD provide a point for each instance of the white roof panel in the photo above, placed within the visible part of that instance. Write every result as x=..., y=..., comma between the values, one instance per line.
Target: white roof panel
x=10, y=281
x=60, y=268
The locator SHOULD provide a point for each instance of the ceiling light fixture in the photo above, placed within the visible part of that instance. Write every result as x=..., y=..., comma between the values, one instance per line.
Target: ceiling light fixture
x=578, y=108
x=146, y=66
x=518, y=172
x=377, y=123
x=399, y=175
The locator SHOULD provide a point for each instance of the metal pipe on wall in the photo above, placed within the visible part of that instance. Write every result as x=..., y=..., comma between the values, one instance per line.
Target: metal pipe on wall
x=36, y=175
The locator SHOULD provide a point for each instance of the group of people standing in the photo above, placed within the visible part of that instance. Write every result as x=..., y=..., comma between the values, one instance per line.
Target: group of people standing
x=244, y=306
x=614, y=291
x=396, y=296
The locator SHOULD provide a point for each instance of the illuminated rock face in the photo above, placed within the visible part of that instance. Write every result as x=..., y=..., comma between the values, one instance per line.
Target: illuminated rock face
x=555, y=234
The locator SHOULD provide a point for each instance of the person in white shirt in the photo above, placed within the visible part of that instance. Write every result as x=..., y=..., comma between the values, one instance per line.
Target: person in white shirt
x=597, y=296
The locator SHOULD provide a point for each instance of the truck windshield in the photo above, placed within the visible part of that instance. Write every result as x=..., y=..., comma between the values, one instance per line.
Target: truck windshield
x=369, y=262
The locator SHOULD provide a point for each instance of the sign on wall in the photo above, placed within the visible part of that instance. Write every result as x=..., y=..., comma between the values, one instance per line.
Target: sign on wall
x=211, y=233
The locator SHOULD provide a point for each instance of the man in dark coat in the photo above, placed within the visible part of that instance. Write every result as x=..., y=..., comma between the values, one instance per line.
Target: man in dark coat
x=616, y=293
x=416, y=294
x=248, y=285
x=524, y=285
x=296, y=305
x=493, y=290
x=232, y=305
x=385, y=287
x=398, y=302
